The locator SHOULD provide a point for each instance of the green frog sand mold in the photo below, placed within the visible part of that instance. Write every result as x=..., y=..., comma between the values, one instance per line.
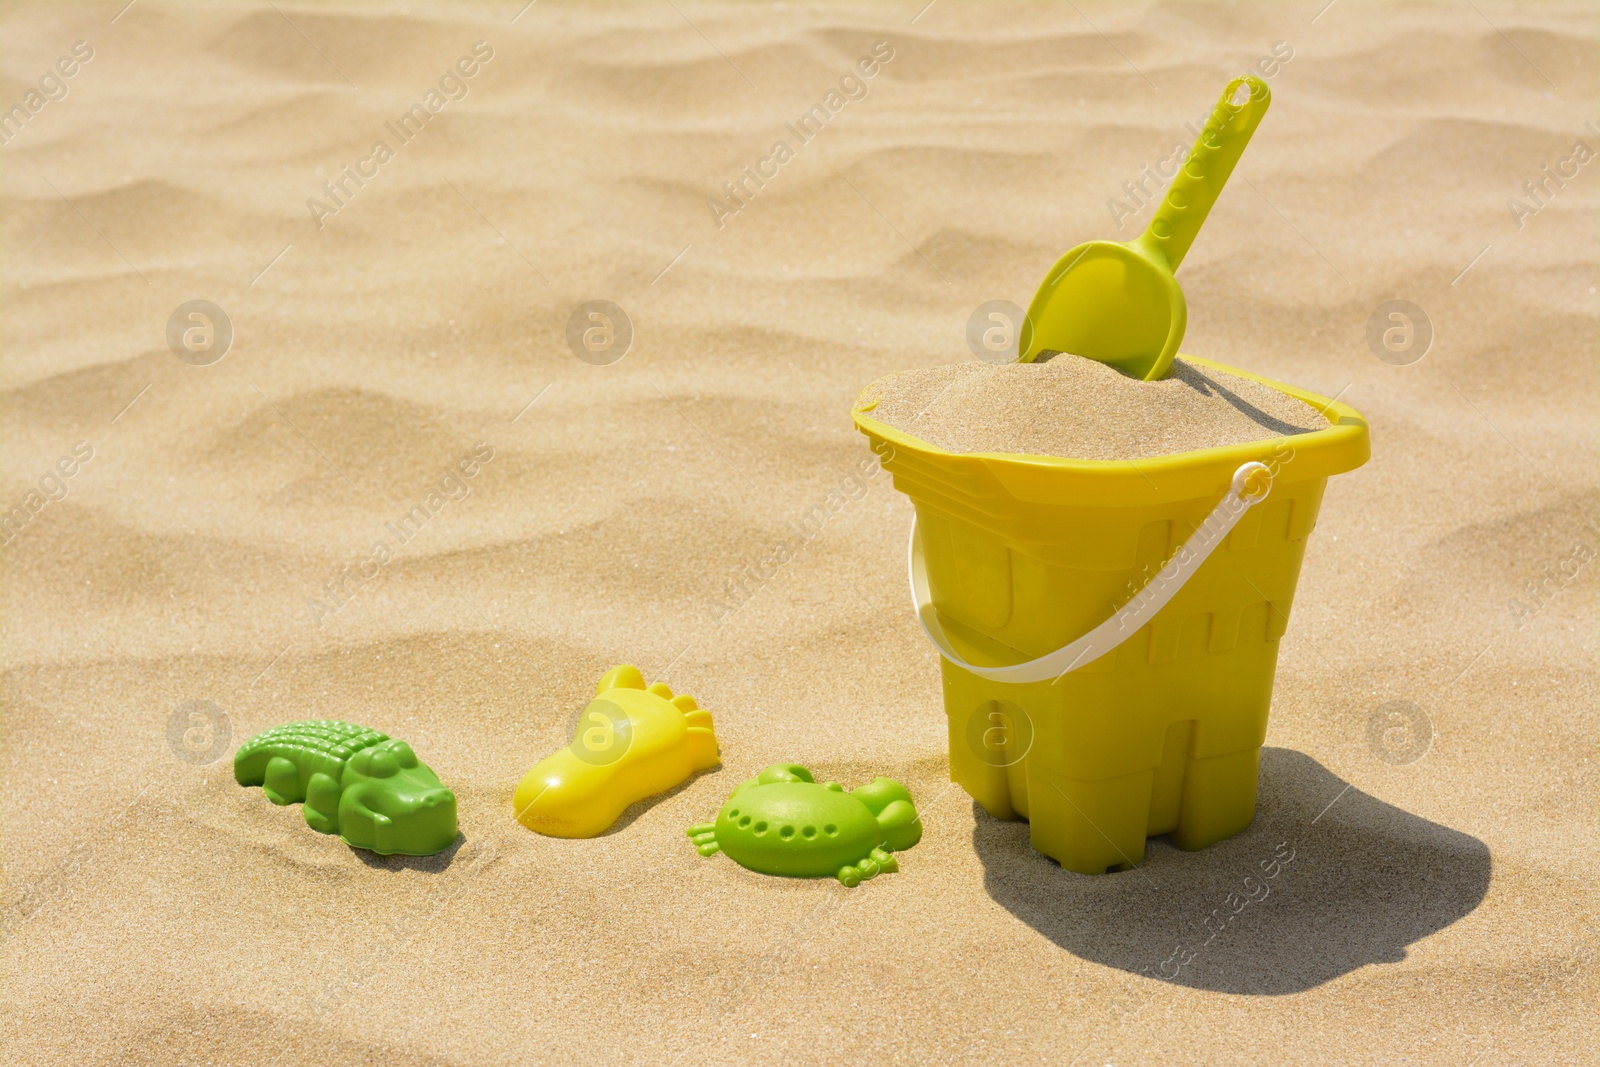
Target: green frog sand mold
x=784, y=822
x=355, y=782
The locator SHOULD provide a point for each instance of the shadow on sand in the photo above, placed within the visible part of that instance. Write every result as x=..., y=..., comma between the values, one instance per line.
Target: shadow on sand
x=1330, y=889
x=438, y=863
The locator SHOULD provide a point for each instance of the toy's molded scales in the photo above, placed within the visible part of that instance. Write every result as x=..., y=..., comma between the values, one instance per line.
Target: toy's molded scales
x=785, y=822
x=354, y=782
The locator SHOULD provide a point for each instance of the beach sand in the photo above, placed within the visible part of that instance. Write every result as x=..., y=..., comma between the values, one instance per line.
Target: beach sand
x=1081, y=409
x=210, y=569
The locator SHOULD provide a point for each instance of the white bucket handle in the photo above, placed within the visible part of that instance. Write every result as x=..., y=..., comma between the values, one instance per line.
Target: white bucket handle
x=1128, y=619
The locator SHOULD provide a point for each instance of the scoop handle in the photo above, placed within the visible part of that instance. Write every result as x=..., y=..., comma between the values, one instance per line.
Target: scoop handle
x=1205, y=170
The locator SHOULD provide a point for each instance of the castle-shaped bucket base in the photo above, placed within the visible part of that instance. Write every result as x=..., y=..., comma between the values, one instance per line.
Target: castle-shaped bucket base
x=1103, y=759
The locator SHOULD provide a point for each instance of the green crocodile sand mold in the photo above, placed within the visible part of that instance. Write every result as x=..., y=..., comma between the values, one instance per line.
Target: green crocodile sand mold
x=355, y=782
x=785, y=822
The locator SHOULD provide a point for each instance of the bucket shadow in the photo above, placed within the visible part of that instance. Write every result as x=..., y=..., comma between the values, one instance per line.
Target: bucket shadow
x=1327, y=891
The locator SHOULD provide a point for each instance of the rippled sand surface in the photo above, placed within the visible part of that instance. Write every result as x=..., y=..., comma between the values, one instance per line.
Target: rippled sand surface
x=211, y=566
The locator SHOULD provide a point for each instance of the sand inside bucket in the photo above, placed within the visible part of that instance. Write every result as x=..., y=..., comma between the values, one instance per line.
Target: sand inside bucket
x=1079, y=409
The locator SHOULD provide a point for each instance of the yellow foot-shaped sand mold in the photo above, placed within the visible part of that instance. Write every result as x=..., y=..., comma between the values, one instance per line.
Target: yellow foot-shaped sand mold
x=633, y=741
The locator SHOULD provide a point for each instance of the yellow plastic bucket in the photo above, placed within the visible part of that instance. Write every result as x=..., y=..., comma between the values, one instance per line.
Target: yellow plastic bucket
x=1023, y=557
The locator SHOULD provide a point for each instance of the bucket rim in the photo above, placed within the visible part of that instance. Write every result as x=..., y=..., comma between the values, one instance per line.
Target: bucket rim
x=1340, y=447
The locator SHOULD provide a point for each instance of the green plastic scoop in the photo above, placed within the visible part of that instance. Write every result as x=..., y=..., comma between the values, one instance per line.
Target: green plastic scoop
x=1118, y=303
